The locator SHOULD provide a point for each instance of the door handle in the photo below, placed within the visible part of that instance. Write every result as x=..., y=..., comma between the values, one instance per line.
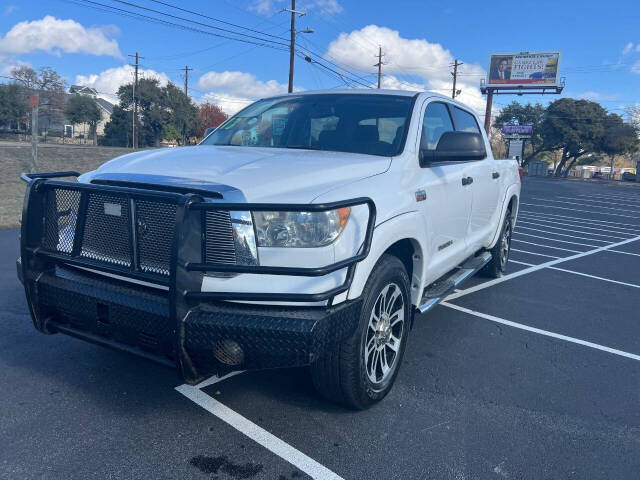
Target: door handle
x=495, y=175
x=467, y=181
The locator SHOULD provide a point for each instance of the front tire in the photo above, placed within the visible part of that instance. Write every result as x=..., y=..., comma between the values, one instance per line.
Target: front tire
x=361, y=370
x=500, y=252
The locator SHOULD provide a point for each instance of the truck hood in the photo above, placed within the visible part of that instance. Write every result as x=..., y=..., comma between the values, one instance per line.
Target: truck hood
x=260, y=174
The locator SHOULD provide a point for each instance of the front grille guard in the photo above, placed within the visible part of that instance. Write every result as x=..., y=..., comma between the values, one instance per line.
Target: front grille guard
x=187, y=264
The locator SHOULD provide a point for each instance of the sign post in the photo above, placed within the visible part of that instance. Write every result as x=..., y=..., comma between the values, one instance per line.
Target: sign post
x=33, y=103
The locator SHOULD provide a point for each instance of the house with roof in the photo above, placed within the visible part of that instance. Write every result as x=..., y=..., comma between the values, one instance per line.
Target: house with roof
x=105, y=106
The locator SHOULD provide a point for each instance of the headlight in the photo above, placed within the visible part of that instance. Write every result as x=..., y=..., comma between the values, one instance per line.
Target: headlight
x=299, y=229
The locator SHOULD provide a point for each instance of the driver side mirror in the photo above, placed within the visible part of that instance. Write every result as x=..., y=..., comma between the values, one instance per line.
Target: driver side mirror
x=455, y=147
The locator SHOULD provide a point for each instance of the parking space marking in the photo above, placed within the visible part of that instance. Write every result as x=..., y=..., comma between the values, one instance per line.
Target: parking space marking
x=593, y=224
x=558, y=240
x=607, y=202
x=620, y=251
x=526, y=271
x=562, y=234
x=576, y=210
x=521, y=263
x=532, y=253
x=547, y=333
x=528, y=222
x=594, y=277
x=546, y=246
x=588, y=221
x=584, y=205
x=256, y=433
x=635, y=199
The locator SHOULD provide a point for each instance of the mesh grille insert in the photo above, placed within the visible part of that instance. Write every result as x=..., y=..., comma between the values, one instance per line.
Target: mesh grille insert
x=60, y=219
x=154, y=228
x=106, y=230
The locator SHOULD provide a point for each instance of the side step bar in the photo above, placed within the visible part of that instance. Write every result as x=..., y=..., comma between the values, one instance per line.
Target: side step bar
x=438, y=291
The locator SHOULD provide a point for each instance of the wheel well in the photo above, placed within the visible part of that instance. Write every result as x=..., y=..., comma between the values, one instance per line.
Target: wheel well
x=408, y=251
x=513, y=205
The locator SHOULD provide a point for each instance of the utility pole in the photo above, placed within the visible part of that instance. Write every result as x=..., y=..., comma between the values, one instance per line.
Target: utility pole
x=134, y=141
x=379, y=65
x=186, y=79
x=33, y=103
x=455, y=66
x=292, y=43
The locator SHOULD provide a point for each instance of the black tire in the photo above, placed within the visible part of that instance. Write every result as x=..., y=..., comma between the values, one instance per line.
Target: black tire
x=500, y=252
x=342, y=374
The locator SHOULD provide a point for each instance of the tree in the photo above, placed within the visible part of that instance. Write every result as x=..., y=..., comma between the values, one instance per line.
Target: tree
x=117, y=131
x=13, y=109
x=158, y=107
x=50, y=87
x=210, y=116
x=517, y=114
x=574, y=127
x=618, y=138
x=84, y=109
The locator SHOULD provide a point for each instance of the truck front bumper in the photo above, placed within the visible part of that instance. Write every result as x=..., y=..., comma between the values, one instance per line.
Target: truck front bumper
x=211, y=338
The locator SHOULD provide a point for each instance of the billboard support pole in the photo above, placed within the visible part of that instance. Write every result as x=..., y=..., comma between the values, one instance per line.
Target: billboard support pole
x=487, y=114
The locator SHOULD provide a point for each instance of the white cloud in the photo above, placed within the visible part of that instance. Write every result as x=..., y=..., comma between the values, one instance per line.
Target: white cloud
x=420, y=58
x=108, y=82
x=232, y=91
x=269, y=7
x=596, y=96
x=628, y=48
x=10, y=9
x=53, y=35
x=635, y=68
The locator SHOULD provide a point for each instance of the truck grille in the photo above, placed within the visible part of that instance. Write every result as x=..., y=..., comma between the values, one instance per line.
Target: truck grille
x=107, y=230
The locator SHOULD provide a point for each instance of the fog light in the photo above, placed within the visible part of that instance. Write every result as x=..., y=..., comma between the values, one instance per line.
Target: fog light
x=228, y=352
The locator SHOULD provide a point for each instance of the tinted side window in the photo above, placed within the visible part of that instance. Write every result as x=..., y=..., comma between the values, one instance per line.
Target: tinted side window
x=436, y=122
x=465, y=122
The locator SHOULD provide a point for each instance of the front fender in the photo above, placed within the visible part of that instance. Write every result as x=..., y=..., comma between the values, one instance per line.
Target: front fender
x=398, y=228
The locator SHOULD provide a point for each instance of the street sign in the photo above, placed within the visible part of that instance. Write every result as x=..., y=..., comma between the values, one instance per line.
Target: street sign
x=515, y=148
x=33, y=101
x=517, y=130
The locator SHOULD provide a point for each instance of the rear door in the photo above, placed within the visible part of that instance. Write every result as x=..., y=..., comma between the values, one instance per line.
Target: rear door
x=447, y=203
x=485, y=188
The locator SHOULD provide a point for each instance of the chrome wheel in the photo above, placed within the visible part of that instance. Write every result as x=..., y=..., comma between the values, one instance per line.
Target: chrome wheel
x=505, y=241
x=384, y=334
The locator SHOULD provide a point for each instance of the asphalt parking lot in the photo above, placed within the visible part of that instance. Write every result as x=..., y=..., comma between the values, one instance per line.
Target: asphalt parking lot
x=533, y=376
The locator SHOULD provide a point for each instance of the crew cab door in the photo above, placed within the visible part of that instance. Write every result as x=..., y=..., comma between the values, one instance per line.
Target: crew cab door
x=447, y=202
x=485, y=187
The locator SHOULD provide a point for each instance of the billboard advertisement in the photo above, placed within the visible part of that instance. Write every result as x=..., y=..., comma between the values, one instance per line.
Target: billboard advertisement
x=524, y=69
x=517, y=129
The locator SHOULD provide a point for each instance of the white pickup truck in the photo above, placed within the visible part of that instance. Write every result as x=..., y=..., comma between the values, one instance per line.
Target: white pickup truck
x=307, y=230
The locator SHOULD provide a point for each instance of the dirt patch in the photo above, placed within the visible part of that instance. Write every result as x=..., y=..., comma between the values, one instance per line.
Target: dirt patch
x=14, y=160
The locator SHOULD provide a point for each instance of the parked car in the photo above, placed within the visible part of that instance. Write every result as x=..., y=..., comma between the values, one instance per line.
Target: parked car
x=597, y=175
x=629, y=177
x=307, y=230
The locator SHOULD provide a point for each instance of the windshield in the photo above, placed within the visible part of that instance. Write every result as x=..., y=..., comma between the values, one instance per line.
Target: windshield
x=355, y=123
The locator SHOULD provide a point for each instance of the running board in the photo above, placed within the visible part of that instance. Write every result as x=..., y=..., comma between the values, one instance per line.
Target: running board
x=438, y=291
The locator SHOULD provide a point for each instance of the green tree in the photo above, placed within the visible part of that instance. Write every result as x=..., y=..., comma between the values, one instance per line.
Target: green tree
x=84, y=109
x=575, y=127
x=13, y=109
x=117, y=131
x=518, y=114
x=618, y=138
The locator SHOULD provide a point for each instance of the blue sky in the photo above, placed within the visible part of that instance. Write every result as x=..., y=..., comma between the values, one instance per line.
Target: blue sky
x=600, y=44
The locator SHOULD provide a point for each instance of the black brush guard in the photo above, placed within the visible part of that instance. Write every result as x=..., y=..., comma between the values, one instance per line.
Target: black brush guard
x=181, y=326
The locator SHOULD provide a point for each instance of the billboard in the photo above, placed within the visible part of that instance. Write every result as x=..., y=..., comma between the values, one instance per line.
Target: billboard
x=517, y=130
x=524, y=69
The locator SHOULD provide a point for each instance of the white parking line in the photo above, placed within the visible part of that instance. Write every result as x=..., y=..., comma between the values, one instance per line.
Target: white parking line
x=539, y=331
x=532, y=253
x=558, y=240
x=594, y=277
x=522, y=263
x=584, y=205
x=561, y=234
x=576, y=210
x=607, y=202
x=580, y=222
x=564, y=229
x=254, y=432
x=526, y=271
x=620, y=251
x=545, y=246
x=635, y=199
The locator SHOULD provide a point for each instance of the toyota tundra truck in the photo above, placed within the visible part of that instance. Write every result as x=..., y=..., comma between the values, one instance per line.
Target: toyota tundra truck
x=305, y=231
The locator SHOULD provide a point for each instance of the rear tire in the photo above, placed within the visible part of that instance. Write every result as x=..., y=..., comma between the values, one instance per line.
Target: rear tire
x=500, y=252
x=360, y=370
